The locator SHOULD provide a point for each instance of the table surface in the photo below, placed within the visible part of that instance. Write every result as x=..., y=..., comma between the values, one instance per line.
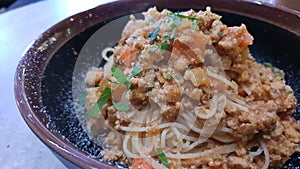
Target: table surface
x=19, y=147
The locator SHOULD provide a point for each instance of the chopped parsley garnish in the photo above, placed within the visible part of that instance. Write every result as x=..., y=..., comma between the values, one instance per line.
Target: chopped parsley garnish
x=290, y=92
x=176, y=21
x=164, y=46
x=82, y=99
x=220, y=34
x=149, y=89
x=95, y=109
x=195, y=23
x=168, y=77
x=134, y=37
x=120, y=76
x=216, y=159
x=135, y=71
x=186, y=17
x=154, y=34
x=107, y=93
x=162, y=157
x=176, y=17
x=276, y=72
x=121, y=107
x=153, y=47
x=172, y=34
x=268, y=64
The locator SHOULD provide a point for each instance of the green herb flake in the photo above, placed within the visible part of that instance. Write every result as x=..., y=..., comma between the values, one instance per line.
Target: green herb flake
x=276, y=72
x=172, y=34
x=290, y=92
x=165, y=46
x=162, y=157
x=120, y=76
x=176, y=21
x=135, y=71
x=154, y=34
x=267, y=64
x=186, y=17
x=247, y=152
x=95, y=109
x=121, y=107
x=195, y=24
x=167, y=37
x=216, y=159
x=220, y=34
x=168, y=77
x=112, y=81
x=82, y=99
x=134, y=37
x=153, y=48
x=149, y=89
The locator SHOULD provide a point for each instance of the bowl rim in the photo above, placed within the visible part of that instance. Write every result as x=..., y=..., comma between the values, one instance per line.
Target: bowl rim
x=68, y=150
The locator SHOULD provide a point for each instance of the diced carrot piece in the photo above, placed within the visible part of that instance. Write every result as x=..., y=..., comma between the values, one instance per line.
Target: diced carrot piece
x=140, y=163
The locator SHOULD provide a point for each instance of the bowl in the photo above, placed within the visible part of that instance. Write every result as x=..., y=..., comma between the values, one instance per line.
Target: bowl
x=44, y=79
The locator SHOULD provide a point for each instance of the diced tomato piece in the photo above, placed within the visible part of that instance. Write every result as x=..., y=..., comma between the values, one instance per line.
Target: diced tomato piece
x=140, y=163
x=241, y=35
x=127, y=56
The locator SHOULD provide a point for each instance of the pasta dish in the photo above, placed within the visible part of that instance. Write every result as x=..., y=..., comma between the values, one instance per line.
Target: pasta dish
x=181, y=90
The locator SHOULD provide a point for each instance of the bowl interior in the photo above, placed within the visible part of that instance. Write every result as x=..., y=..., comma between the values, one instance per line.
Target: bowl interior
x=272, y=44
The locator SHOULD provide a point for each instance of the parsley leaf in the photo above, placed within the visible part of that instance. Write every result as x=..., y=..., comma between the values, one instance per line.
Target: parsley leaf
x=167, y=37
x=95, y=109
x=186, y=17
x=176, y=21
x=82, y=99
x=153, y=48
x=164, y=46
x=195, y=24
x=120, y=76
x=121, y=107
x=276, y=72
x=154, y=34
x=149, y=89
x=268, y=64
x=162, y=157
x=135, y=71
x=168, y=77
x=220, y=34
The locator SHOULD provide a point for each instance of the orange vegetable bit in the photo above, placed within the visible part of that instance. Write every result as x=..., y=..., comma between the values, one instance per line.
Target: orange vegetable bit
x=140, y=163
x=127, y=56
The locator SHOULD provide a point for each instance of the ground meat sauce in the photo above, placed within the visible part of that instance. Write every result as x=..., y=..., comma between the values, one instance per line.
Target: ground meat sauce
x=195, y=113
